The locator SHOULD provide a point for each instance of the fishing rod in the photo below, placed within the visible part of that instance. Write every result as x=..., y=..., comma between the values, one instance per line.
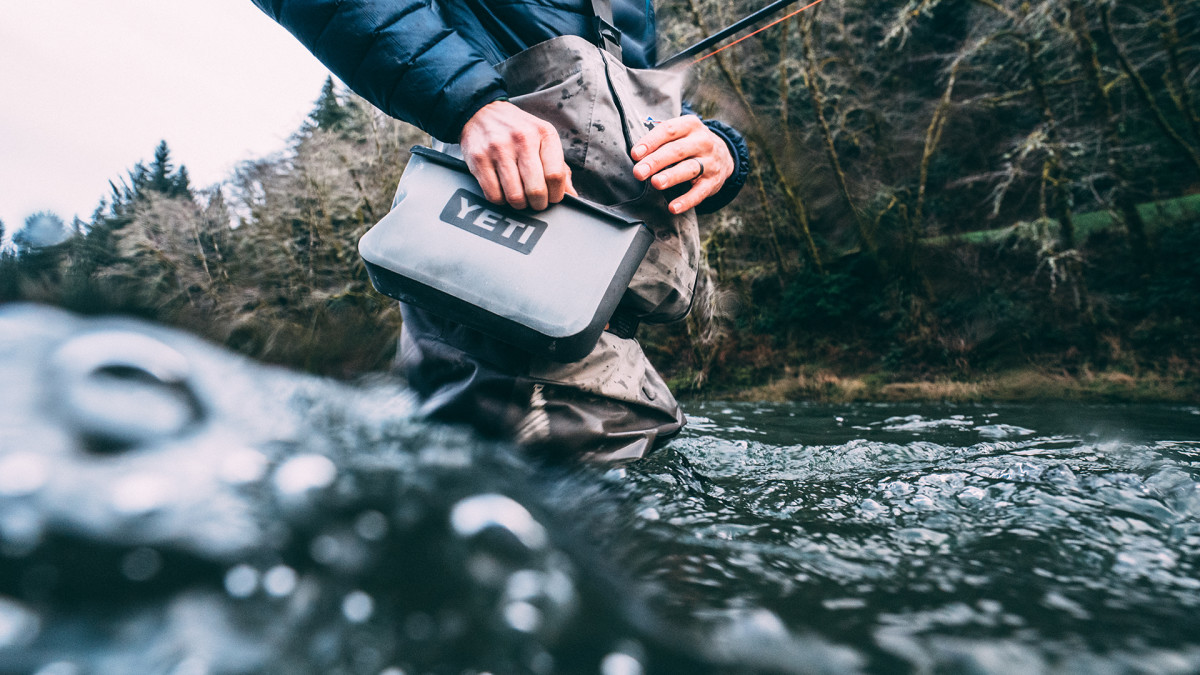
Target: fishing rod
x=733, y=28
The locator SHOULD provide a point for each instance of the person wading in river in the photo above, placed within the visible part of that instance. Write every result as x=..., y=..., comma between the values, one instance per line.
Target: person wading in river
x=542, y=99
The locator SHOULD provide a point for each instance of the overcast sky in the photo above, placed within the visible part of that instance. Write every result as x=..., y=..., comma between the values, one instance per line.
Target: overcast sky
x=89, y=87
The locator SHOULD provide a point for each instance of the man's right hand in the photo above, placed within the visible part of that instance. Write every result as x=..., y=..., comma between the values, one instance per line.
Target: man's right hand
x=516, y=157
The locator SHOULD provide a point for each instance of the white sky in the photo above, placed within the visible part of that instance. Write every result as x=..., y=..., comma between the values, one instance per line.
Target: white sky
x=89, y=87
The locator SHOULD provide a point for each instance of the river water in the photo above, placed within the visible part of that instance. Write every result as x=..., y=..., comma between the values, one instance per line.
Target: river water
x=964, y=538
x=167, y=507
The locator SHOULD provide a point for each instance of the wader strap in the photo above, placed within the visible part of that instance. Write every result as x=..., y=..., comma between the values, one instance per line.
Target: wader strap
x=607, y=33
x=623, y=324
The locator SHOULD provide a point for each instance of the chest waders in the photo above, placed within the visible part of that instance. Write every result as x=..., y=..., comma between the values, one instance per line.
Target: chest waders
x=612, y=403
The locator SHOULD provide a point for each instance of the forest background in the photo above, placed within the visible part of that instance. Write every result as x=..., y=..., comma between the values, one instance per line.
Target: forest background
x=955, y=199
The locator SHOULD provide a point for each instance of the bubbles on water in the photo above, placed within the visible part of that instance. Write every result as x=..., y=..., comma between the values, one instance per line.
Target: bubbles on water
x=536, y=600
x=141, y=493
x=371, y=525
x=522, y=616
x=620, y=663
x=241, y=581
x=919, y=423
x=1025, y=472
x=358, y=607
x=21, y=529
x=122, y=388
x=475, y=514
x=541, y=663
x=280, y=581
x=300, y=474
x=341, y=550
x=999, y=432
x=23, y=473
x=19, y=625
x=243, y=466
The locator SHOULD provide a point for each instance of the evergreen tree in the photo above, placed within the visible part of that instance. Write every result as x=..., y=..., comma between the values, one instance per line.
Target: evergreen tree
x=329, y=113
x=181, y=184
x=161, y=179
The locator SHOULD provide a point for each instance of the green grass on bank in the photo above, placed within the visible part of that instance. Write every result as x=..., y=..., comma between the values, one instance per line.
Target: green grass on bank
x=1156, y=215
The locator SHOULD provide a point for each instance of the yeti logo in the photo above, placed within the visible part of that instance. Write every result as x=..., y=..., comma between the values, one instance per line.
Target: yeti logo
x=477, y=216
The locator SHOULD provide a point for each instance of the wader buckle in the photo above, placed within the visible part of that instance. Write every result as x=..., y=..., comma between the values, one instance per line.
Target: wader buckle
x=623, y=324
x=609, y=35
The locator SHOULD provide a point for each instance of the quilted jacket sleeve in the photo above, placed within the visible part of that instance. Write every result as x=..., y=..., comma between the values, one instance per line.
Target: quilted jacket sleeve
x=398, y=54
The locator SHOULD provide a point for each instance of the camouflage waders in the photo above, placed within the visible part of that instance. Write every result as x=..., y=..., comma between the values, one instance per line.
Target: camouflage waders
x=611, y=404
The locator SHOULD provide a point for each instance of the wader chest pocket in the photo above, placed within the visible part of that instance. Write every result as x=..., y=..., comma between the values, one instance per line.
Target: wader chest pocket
x=544, y=281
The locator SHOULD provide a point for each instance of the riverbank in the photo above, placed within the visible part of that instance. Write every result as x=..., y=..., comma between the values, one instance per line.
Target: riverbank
x=1020, y=385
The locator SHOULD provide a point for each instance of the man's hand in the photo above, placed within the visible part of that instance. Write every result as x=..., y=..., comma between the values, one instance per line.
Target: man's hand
x=516, y=157
x=679, y=150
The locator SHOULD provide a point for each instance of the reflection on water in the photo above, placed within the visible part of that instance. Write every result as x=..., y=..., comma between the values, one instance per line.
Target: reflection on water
x=1001, y=538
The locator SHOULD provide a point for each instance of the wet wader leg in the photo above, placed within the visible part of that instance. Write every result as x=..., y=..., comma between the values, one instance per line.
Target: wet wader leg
x=610, y=405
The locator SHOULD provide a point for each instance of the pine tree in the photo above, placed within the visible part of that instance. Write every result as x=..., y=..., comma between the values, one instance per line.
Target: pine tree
x=161, y=180
x=181, y=184
x=329, y=113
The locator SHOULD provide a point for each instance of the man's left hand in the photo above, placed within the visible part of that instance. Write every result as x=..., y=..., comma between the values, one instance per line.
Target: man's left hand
x=680, y=150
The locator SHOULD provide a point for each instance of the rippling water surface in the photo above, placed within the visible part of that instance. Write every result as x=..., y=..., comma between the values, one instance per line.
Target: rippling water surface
x=169, y=508
x=989, y=538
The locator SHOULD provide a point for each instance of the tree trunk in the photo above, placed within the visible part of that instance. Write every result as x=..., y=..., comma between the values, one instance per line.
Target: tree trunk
x=818, y=100
x=1089, y=60
x=795, y=205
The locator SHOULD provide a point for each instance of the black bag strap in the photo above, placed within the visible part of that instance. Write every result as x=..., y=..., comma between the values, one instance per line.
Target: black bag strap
x=623, y=324
x=607, y=35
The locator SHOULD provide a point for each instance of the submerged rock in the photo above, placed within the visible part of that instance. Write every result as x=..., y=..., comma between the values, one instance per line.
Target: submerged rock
x=167, y=507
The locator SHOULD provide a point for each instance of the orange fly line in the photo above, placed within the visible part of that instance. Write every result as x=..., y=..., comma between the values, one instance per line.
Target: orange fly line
x=756, y=32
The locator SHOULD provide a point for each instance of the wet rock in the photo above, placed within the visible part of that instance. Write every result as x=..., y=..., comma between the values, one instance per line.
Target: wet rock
x=166, y=507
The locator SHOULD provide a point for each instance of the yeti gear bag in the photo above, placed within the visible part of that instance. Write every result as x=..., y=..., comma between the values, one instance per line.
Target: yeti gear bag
x=447, y=250
x=547, y=282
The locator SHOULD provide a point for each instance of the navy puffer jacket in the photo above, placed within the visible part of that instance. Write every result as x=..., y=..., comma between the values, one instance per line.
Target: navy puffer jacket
x=429, y=62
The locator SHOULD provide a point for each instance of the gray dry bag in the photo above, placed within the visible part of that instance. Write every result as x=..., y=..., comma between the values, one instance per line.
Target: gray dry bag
x=547, y=282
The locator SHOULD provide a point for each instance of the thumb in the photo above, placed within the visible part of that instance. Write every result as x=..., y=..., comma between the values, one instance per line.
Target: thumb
x=570, y=188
